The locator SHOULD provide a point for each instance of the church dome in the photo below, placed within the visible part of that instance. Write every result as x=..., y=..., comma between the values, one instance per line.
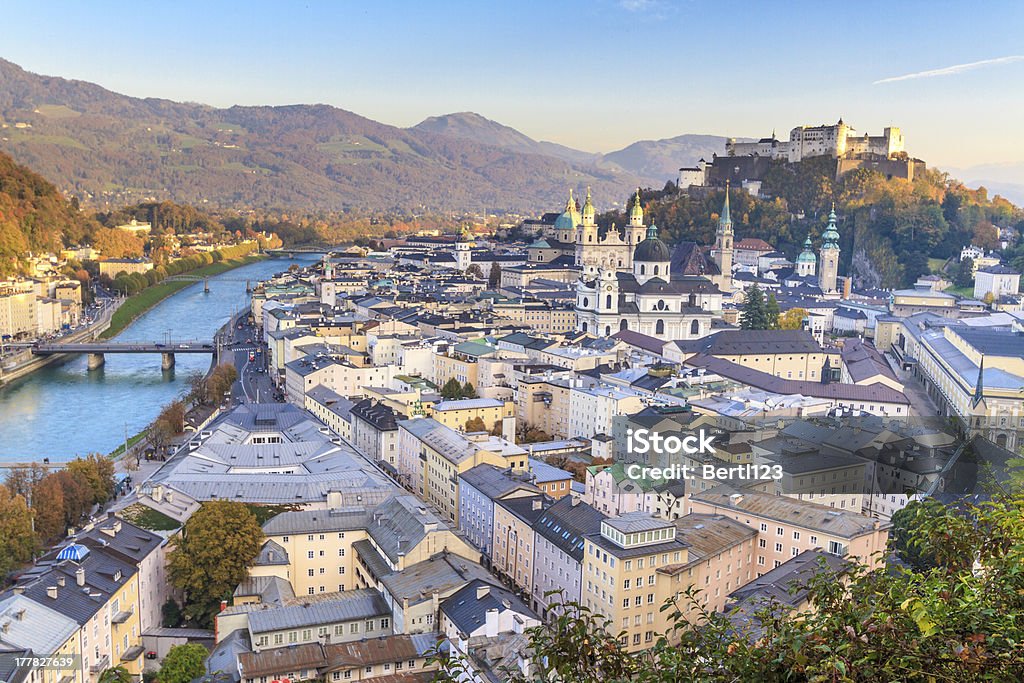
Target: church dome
x=830, y=237
x=652, y=248
x=807, y=255
x=565, y=222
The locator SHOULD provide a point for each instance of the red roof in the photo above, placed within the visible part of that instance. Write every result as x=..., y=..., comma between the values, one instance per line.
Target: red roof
x=753, y=244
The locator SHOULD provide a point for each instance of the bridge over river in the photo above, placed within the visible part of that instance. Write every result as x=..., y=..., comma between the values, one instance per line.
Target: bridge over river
x=97, y=350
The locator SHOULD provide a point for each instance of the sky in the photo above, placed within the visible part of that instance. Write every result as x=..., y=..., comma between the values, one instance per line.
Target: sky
x=595, y=75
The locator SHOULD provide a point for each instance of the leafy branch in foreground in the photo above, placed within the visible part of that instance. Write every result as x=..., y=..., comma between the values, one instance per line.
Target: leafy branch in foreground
x=959, y=618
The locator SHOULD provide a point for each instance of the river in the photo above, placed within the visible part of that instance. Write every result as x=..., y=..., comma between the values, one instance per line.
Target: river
x=65, y=410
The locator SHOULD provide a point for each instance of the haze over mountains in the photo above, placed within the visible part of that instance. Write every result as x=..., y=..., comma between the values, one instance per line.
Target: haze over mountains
x=111, y=149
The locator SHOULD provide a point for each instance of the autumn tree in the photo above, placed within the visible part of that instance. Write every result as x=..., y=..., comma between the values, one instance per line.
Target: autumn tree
x=476, y=424
x=221, y=380
x=183, y=663
x=793, y=319
x=17, y=542
x=97, y=471
x=49, y=508
x=212, y=555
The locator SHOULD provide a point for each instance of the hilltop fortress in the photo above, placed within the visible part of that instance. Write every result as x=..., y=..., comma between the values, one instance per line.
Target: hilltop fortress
x=838, y=141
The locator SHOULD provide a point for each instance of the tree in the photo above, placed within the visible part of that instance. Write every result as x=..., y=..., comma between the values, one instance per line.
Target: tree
x=212, y=555
x=793, y=319
x=468, y=391
x=183, y=663
x=77, y=496
x=97, y=471
x=170, y=614
x=117, y=674
x=49, y=508
x=771, y=312
x=964, y=275
x=754, y=313
x=494, y=277
x=17, y=542
x=958, y=621
x=476, y=424
x=475, y=270
x=452, y=390
x=221, y=380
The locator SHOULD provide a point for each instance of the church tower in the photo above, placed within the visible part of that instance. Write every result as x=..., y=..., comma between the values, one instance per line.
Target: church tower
x=463, y=256
x=636, y=232
x=565, y=224
x=586, y=234
x=807, y=262
x=828, y=272
x=723, y=244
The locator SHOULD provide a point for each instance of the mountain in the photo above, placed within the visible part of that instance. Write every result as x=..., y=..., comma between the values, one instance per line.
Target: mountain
x=470, y=126
x=34, y=216
x=652, y=161
x=111, y=149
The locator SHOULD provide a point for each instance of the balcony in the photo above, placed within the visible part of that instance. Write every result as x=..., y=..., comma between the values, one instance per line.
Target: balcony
x=100, y=664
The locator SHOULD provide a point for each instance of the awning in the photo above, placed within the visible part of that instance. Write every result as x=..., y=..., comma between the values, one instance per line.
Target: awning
x=132, y=653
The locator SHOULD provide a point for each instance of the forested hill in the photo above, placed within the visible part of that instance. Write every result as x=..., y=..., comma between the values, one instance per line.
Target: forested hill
x=34, y=216
x=111, y=150
x=889, y=228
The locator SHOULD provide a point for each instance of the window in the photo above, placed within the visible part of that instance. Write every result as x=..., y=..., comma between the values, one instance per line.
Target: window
x=310, y=572
x=796, y=535
x=778, y=547
x=385, y=623
x=762, y=543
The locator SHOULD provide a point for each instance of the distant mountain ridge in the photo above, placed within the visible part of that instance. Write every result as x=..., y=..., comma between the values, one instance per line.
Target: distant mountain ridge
x=653, y=161
x=110, y=149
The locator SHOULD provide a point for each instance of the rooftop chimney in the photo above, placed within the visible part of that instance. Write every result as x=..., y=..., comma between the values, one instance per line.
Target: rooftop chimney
x=482, y=592
x=60, y=581
x=51, y=592
x=537, y=504
x=80, y=576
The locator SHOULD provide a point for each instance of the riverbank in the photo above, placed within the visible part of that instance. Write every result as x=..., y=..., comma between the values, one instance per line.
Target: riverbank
x=137, y=304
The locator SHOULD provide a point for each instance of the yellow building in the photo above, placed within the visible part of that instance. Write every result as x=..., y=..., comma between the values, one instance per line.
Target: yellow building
x=539, y=316
x=788, y=354
x=431, y=457
x=462, y=369
x=112, y=266
x=455, y=414
x=544, y=403
x=638, y=563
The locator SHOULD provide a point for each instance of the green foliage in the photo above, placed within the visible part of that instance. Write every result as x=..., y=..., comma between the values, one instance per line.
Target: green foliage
x=451, y=390
x=964, y=275
x=793, y=319
x=212, y=555
x=183, y=663
x=893, y=223
x=468, y=391
x=947, y=623
x=475, y=270
x=117, y=674
x=755, y=313
x=170, y=614
x=494, y=277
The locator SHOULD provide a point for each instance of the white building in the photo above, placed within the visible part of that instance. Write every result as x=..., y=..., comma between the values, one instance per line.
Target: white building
x=998, y=279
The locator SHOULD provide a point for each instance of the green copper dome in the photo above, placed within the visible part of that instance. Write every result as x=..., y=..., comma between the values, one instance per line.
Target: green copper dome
x=830, y=238
x=807, y=255
x=565, y=222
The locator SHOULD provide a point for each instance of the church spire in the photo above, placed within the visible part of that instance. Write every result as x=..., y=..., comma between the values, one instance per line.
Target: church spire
x=636, y=214
x=725, y=220
x=588, y=210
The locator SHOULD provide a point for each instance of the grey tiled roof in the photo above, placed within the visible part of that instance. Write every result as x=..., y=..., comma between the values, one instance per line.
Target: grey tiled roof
x=469, y=612
x=565, y=525
x=348, y=606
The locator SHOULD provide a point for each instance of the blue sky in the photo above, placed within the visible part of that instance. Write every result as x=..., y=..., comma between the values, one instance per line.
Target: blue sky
x=594, y=75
